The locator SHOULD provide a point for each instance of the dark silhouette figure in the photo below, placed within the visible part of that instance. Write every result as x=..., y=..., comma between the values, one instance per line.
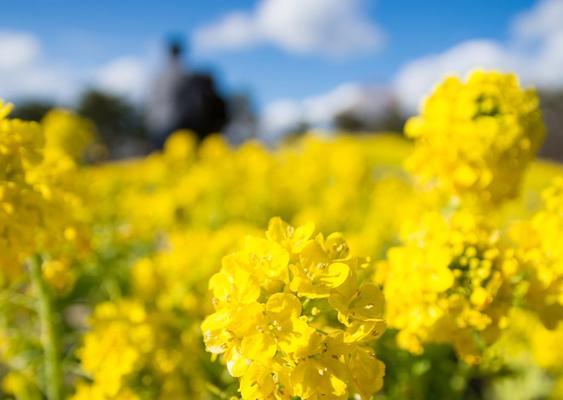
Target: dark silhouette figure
x=201, y=108
x=184, y=100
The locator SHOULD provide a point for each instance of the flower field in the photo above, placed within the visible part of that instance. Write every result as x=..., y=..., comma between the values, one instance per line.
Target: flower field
x=423, y=266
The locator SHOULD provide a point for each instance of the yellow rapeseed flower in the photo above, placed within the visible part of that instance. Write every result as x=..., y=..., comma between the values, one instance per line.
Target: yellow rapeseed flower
x=293, y=318
x=474, y=138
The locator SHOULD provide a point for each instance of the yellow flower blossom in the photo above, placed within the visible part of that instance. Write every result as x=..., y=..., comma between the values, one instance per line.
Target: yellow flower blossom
x=475, y=138
x=446, y=283
x=267, y=326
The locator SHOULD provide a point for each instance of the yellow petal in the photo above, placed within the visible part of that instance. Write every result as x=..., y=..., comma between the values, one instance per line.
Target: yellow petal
x=260, y=346
x=368, y=304
x=283, y=306
x=336, y=275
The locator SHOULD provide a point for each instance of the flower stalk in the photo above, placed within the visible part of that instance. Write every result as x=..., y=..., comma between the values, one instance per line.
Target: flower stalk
x=49, y=337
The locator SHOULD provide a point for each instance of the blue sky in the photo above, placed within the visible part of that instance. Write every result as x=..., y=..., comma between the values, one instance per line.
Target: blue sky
x=79, y=41
x=91, y=32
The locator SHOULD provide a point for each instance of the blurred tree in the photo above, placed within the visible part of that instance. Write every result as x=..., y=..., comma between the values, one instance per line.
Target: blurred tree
x=300, y=128
x=119, y=123
x=348, y=121
x=552, y=108
x=114, y=116
x=32, y=110
x=297, y=131
x=391, y=120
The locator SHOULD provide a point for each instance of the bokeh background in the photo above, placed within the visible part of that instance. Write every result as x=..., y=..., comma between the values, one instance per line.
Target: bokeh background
x=283, y=66
x=113, y=228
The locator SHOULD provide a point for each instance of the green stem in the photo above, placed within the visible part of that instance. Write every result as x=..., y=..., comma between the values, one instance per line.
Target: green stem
x=49, y=338
x=216, y=391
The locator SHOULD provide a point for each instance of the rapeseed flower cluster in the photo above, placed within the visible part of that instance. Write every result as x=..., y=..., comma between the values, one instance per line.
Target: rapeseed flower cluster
x=181, y=238
x=456, y=274
x=539, y=244
x=43, y=231
x=294, y=319
x=120, y=336
x=21, y=204
x=67, y=135
x=466, y=268
x=449, y=282
x=476, y=138
x=153, y=331
x=41, y=202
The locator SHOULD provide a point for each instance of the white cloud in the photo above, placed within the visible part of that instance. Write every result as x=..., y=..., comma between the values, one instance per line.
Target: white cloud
x=416, y=79
x=328, y=27
x=17, y=49
x=39, y=81
x=534, y=51
x=126, y=76
x=279, y=117
x=541, y=21
x=319, y=111
x=236, y=30
x=24, y=73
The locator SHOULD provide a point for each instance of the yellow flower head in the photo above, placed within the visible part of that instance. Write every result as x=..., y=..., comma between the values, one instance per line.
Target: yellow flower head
x=59, y=274
x=67, y=134
x=180, y=146
x=21, y=145
x=475, y=138
x=121, y=335
x=539, y=242
x=448, y=283
x=21, y=205
x=292, y=317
